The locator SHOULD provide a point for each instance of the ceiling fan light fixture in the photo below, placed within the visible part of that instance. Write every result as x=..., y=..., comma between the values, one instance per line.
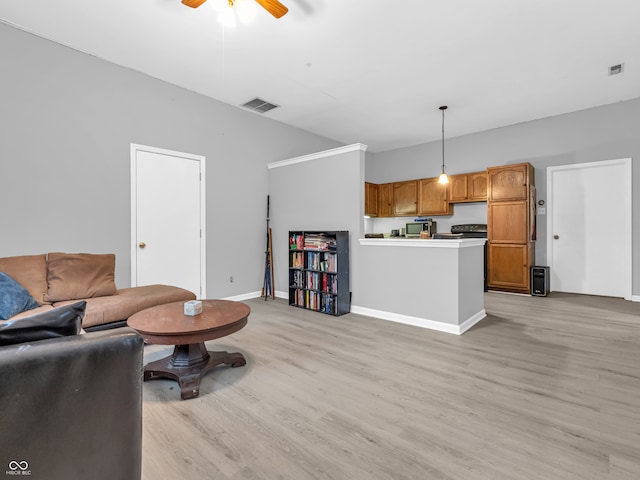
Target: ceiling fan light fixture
x=237, y=11
x=246, y=10
x=227, y=17
x=274, y=7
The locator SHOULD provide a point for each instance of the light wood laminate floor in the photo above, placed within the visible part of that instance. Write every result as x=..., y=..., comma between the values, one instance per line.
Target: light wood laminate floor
x=544, y=388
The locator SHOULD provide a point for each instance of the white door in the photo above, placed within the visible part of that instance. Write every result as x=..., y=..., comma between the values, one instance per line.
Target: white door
x=167, y=228
x=589, y=228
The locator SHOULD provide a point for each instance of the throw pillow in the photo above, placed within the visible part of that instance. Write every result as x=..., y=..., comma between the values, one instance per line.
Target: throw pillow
x=14, y=298
x=30, y=271
x=73, y=276
x=58, y=322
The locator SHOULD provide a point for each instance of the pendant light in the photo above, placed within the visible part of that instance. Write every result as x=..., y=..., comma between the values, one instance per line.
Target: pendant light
x=443, y=176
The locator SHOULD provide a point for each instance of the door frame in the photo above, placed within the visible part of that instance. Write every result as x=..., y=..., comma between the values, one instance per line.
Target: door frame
x=625, y=229
x=135, y=148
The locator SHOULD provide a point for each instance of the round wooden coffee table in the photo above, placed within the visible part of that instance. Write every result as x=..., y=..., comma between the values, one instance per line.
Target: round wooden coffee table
x=168, y=325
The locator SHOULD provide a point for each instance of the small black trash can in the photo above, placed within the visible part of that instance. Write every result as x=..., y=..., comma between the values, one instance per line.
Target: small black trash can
x=539, y=281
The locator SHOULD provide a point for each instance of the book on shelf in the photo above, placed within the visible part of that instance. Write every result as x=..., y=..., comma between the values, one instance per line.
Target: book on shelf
x=297, y=260
x=319, y=241
x=296, y=241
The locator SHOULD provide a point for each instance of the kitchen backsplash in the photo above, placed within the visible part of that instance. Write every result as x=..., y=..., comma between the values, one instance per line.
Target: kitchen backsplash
x=462, y=213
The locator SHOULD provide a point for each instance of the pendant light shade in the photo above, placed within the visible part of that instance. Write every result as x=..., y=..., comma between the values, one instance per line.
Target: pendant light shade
x=443, y=176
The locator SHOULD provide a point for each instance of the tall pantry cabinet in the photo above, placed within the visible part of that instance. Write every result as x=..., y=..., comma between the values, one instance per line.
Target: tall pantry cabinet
x=510, y=227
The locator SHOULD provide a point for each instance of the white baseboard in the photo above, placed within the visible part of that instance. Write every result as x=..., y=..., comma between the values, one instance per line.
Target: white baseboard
x=393, y=317
x=244, y=296
x=257, y=294
x=634, y=298
x=421, y=322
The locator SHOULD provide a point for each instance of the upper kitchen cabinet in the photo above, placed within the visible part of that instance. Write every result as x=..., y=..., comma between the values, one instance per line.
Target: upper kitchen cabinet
x=385, y=200
x=370, y=199
x=433, y=197
x=405, y=198
x=468, y=187
x=510, y=182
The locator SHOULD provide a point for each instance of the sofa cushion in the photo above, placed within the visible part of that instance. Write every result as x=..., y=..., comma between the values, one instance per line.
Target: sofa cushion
x=57, y=322
x=72, y=276
x=30, y=271
x=14, y=298
x=127, y=301
x=35, y=311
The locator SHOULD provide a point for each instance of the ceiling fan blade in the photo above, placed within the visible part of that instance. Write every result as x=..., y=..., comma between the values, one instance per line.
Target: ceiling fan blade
x=274, y=7
x=193, y=3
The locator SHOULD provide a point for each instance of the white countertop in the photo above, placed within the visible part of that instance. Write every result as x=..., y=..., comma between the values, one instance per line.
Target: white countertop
x=423, y=243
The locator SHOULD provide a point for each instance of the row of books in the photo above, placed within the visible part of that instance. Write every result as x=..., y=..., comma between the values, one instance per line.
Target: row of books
x=297, y=279
x=322, y=261
x=297, y=260
x=312, y=241
x=314, y=281
x=318, y=301
x=322, y=281
x=319, y=241
x=296, y=241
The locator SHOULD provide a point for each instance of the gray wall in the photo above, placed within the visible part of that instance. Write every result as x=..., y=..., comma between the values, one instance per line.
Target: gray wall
x=321, y=194
x=66, y=124
x=601, y=133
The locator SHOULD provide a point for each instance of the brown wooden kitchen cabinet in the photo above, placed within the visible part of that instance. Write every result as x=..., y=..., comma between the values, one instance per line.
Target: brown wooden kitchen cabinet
x=433, y=197
x=510, y=217
x=508, y=267
x=385, y=200
x=508, y=222
x=370, y=199
x=405, y=198
x=510, y=182
x=468, y=187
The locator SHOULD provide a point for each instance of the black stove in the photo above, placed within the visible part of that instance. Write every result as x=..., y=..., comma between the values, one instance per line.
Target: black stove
x=470, y=230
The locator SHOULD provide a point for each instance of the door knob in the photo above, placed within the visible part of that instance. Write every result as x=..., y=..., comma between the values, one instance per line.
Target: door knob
x=556, y=237
x=142, y=244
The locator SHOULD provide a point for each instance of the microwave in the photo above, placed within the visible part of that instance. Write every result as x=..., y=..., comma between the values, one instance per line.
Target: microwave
x=414, y=229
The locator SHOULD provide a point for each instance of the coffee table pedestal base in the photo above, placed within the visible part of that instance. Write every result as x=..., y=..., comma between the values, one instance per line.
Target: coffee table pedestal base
x=188, y=364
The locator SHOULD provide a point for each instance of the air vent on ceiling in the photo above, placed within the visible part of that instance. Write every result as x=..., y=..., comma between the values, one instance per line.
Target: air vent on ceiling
x=259, y=105
x=616, y=69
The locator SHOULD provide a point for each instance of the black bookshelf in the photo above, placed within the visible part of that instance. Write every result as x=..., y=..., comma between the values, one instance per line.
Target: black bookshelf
x=319, y=271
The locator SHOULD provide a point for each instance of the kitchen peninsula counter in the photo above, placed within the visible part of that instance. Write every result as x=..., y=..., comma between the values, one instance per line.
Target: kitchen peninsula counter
x=432, y=283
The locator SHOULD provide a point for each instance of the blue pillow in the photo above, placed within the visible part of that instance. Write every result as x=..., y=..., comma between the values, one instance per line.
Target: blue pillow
x=14, y=299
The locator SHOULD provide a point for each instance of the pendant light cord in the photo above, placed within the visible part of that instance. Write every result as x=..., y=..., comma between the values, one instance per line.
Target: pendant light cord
x=443, y=109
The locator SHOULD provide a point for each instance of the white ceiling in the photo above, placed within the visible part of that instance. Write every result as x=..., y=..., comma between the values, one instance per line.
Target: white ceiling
x=369, y=71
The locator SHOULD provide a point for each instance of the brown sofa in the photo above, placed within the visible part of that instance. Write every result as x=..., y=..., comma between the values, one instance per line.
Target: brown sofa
x=57, y=279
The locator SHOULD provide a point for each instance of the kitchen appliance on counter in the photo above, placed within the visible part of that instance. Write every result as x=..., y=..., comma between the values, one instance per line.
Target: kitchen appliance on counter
x=471, y=230
x=415, y=229
x=467, y=230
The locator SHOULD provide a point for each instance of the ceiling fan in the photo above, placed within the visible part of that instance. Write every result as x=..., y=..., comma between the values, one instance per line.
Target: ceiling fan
x=274, y=7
